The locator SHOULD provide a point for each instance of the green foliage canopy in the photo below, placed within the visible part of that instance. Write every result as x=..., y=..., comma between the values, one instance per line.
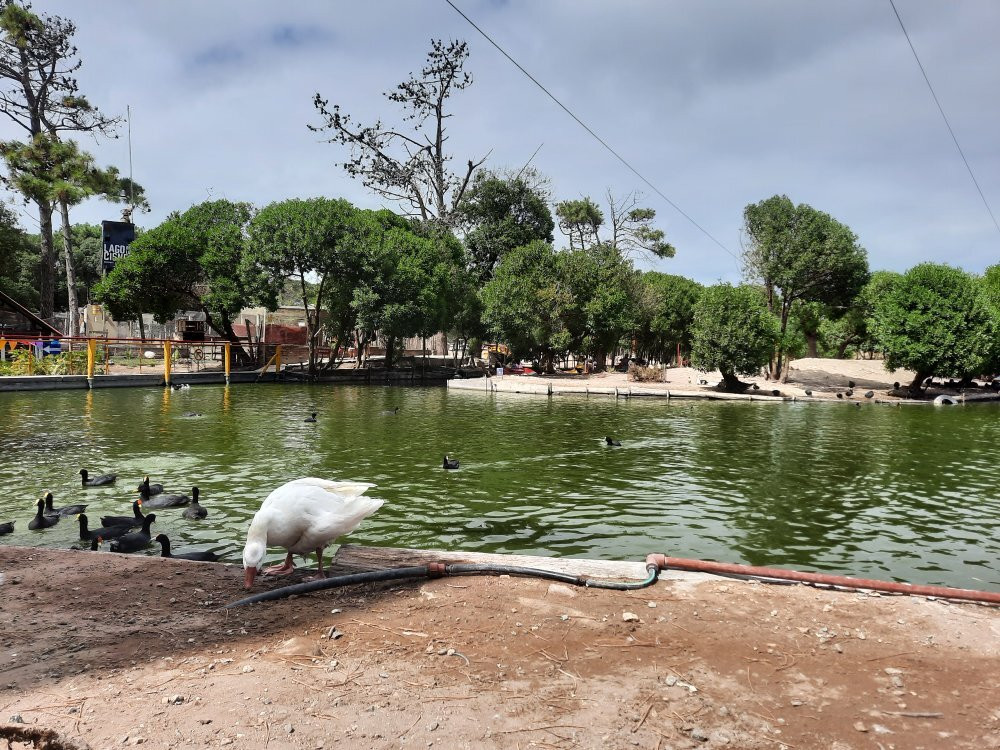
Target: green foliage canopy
x=733, y=332
x=666, y=313
x=499, y=214
x=935, y=320
x=800, y=254
x=189, y=262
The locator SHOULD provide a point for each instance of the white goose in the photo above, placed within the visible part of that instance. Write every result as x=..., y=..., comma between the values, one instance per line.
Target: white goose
x=304, y=516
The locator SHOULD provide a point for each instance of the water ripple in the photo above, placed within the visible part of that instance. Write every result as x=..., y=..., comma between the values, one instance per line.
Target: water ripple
x=906, y=494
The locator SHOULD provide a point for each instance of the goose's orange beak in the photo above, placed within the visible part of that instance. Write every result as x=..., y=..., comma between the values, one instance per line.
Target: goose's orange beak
x=248, y=575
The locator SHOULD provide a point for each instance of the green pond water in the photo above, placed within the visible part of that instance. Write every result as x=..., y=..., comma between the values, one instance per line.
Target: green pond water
x=897, y=493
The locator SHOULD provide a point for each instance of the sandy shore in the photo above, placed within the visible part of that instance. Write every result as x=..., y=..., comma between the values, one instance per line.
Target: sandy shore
x=120, y=651
x=822, y=378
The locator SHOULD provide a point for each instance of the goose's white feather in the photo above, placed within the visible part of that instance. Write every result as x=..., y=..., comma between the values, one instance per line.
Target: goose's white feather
x=305, y=515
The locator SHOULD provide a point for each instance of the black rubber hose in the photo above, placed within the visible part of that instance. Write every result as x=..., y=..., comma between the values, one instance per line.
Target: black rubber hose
x=373, y=576
x=424, y=571
x=593, y=583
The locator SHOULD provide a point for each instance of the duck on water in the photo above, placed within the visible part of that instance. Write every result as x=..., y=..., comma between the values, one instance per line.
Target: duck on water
x=98, y=481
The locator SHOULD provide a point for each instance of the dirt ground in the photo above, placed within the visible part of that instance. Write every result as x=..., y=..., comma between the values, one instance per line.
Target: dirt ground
x=120, y=651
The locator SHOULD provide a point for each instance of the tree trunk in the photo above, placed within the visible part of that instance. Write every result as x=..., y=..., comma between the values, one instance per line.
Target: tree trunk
x=390, y=351
x=47, y=296
x=224, y=327
x=600, y=361
x=778, y=360
x=811, y=339
x=732, y=383
x=67, y=236
x=915, y=384
x=842, y=349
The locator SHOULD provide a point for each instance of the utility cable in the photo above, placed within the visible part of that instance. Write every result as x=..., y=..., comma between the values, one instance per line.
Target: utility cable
x=596, y=137
x=943, y=115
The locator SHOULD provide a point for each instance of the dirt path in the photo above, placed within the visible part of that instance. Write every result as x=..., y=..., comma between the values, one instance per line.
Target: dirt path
x=120, y=651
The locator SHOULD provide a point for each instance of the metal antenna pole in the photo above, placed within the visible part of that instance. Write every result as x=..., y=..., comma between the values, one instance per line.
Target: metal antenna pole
x=128, y=119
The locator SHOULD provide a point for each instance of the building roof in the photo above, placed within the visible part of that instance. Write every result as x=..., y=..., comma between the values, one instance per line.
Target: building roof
x=37, y=325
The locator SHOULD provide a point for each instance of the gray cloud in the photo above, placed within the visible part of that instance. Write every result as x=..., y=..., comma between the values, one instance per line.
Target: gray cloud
x=719, y=104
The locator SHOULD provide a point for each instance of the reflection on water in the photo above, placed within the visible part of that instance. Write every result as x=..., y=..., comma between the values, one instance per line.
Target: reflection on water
x=907, y=493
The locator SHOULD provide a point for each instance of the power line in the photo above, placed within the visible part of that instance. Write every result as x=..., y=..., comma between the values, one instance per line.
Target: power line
x=596, y=137
x=943, y=115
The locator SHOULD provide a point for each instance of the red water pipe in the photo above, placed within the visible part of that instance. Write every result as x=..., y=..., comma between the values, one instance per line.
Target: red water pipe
x=891, y=587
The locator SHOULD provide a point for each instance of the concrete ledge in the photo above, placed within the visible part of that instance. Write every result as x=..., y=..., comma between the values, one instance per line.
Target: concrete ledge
x=544, y=388
x=79, y=382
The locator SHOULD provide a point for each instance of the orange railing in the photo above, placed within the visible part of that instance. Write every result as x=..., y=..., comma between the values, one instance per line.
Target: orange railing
x=94, y=356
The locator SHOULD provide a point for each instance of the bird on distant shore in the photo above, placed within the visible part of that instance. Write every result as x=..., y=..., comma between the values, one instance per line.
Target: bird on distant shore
x=105, y=532
x=200, y=556
x=775, y=392
x=839, y=394
x=6, y=528
x=136, y=540
x=196, y=510
x=304, y=516
x=42, y=521
x=850, y=392
x=850, y=383
x=163, y=500
x=449, y=463
x=151, y=489
x=98, y=481
x=310, y=418
x=611, y=441
x=808, y=392
x=66, y=510
x=869, y=394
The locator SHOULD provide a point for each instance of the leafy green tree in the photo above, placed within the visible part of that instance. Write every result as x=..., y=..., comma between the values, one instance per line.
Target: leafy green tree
x=498, y=214
x=524, y=302
x=611, y=304
x=57, y=172
x=935, y=320
x=18, y=260
x=990, y=285
x=192, y=261
x=666, y=314
x=800, y=255
x=305, y=240
x=733, y=332
x=40, y=94
x=850, y=330
x=409, y=271
x=580, y=220
x=408, y=164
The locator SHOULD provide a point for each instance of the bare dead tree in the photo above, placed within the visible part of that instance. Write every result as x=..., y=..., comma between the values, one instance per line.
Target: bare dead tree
x=631, y=230
x=409, y=165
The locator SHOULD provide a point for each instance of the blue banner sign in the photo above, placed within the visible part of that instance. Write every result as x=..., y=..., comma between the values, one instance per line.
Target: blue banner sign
x=116, y=236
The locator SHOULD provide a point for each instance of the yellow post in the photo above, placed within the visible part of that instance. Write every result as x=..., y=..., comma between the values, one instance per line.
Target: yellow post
x=277, y=360
x=166, y=362
x=226, y=356
x=91, y=361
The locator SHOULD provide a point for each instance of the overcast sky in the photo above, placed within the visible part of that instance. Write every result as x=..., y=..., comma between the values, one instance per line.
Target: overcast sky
x=719, y=104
